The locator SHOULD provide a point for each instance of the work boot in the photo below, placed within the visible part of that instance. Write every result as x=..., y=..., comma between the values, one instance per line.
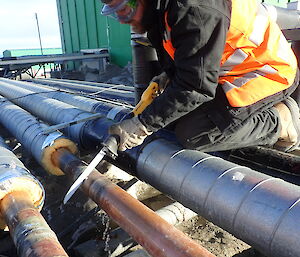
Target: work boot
x=289, y=115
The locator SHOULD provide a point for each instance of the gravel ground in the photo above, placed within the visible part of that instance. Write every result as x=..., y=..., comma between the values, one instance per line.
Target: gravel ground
x=216, y=240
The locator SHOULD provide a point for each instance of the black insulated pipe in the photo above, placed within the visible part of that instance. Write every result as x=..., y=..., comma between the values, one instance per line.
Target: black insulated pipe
x=145, y=63
x=285, y=18
x=83, y=103
x=288, y=21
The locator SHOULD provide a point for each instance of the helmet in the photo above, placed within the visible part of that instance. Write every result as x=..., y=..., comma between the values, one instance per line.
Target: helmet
x=122, y=11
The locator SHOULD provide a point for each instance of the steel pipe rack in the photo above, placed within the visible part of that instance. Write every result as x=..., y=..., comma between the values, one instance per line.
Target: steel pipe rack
x=15, y=66
x=34, y=60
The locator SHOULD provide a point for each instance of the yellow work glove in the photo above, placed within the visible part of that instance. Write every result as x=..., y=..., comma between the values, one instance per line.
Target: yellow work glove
x=162, y=80
x=131, y=133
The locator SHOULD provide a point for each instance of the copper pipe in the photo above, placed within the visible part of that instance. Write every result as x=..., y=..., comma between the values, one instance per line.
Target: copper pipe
x=157, y=236
x=30, y=232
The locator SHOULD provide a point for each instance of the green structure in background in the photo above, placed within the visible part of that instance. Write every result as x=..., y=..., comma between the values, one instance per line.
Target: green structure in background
x=26, y=52
x=23, y=52
x=83, y=27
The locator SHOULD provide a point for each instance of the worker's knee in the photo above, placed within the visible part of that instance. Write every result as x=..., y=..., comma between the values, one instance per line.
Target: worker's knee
x=194, y=129
x=191, y=139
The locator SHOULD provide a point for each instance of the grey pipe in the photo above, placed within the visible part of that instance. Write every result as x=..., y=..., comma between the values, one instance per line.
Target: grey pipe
x=144, y=63
x=22, y=197
x=175, y=213
x=47, y=109
x=78, y=85
x=109, y=93
x=108, y=196
x=54, y=111
x=288, y=21
x=29, y=131
x=285, y=18
x=83, y=103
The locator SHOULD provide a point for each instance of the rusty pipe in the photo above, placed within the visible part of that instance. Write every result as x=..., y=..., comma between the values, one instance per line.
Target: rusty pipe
x=30, y=232
x=158, y=237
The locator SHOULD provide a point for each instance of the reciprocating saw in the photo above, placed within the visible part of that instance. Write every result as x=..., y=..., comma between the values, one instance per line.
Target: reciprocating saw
x=110, y=145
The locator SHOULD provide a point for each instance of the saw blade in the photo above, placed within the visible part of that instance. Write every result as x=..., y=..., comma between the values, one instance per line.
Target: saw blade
x=84, y=175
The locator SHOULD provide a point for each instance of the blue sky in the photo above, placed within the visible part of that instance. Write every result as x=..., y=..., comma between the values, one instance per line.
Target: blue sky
x=18, y=29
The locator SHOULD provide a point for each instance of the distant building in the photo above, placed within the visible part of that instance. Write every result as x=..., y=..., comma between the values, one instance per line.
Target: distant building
x=25, y=52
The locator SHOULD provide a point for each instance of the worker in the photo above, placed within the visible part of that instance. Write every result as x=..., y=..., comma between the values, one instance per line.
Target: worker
x=229, y=76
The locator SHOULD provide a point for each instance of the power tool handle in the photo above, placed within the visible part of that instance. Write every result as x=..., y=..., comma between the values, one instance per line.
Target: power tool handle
x=146, y=98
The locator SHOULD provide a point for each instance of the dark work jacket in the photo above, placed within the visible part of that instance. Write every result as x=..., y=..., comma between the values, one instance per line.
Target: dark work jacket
x=198, y=33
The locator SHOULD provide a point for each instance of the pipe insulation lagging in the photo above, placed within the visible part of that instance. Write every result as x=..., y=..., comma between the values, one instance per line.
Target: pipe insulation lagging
x=21, y=199
x=113, y=93
x=175, y=213
x=15, y=177
x=83, y=103
x=29, y=132
x=80, y=85
x=51, y=110
x=261, y=210
x=163, y=154
x=31, y=102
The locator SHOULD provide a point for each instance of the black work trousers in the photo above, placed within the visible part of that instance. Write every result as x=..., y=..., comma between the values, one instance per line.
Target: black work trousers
x=210, y=128
x=198, y=131
x=214, y=126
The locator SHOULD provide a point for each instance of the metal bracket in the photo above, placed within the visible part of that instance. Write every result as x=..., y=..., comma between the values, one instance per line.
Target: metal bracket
x=70, y=123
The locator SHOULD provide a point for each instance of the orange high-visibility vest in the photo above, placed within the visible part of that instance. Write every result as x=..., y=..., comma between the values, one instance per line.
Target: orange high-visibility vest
x=257, y=60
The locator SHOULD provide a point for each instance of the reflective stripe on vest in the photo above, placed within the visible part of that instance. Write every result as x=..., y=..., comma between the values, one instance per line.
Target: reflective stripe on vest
x=257, y=60
x=168, y=46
